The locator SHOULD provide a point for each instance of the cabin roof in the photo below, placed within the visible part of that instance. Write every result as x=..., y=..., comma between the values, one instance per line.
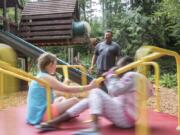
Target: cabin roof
x=50, y=7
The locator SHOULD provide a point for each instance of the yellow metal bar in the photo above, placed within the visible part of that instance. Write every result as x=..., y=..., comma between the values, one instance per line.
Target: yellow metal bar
x=177, y=57
x=141, y=96
x=161, y=50
x=1, y=84
x=82, y=69
x=133, y=65
x=65, y=72
x=48, y=96
x=157, y=52
x=83, y=72
x=66, y=76
x=178, y=82
x=27, y=77
x=6, y=66
x=14, y=74
x=83, y=76
x=157, y=74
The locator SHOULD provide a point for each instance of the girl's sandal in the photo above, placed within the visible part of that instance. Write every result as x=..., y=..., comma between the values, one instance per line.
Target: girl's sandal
x=45, y=127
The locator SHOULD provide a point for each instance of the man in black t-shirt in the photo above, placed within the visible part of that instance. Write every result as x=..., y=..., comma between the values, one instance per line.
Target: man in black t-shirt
x=105, y=55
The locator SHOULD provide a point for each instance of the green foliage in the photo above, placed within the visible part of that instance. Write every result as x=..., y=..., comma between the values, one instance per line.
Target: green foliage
x=168, y=15
x=169, y=8
x=131, y=30
x=96, y=29
x=168, y=71
x=86, y=9
x=167, y=65
x=148, y=6
x=168, y=80
x=86, y=60
x=61, y=52
x=11, y=14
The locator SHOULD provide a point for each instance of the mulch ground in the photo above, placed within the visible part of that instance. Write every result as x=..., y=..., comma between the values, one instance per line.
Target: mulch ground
x=169, y=101
x=13, y=100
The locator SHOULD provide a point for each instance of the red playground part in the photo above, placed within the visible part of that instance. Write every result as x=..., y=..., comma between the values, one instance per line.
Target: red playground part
x=12, y=122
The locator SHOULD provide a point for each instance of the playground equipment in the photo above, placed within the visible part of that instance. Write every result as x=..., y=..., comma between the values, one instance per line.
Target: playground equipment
x=156, y=78
x=163, y=52
x=30, y=50
x=83, y=79
x=12, y=71
x=82, y=69
x=80, y=28
x=48, y=23
x=33, y=31
x=8, y=84
x=156, y=53
x=6, y=69
x=45, y=23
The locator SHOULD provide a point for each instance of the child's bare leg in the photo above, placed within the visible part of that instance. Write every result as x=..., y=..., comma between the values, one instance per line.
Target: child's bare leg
x=69, y=113
x=59, y=99
x=66, y=104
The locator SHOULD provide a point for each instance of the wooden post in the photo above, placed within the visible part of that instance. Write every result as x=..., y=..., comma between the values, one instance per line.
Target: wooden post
x=72, y=55
x=16, y=14
x=4, y=14
x=69, y=55
x=26, y=64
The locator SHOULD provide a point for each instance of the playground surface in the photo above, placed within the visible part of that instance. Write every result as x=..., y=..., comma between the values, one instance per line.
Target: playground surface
x=168, y=101
x=12, y=117
x=13, y=123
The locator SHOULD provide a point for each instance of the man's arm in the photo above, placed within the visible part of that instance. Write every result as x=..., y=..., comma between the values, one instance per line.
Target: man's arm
x=94, y=58
x=93, y=61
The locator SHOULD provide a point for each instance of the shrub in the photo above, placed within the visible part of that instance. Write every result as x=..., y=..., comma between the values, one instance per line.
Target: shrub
x=168, y=80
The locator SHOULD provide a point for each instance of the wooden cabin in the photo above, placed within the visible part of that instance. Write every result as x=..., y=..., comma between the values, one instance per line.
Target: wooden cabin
x=52, y=22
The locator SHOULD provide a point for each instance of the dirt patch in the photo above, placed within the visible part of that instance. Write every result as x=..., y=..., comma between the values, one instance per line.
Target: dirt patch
x=169, y=101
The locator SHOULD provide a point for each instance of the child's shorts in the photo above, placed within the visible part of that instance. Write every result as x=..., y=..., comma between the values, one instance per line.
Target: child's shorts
x=54, y=112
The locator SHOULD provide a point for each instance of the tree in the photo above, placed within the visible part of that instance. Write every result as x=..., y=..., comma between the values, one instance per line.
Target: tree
x=146, y=5
x=168, y=13
x=109, y=9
